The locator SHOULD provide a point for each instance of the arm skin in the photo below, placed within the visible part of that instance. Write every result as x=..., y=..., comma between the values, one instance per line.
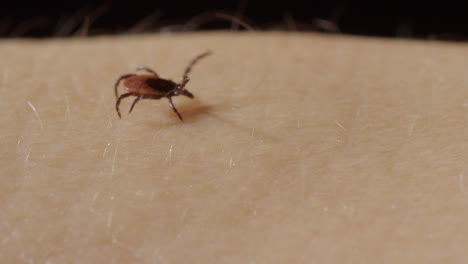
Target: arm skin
x=298, y=148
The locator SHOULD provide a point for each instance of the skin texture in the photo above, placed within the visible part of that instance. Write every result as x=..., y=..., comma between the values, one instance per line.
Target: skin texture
x=298, y=148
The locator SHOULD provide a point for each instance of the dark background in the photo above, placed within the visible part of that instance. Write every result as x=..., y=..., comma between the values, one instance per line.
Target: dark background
x=410, y=19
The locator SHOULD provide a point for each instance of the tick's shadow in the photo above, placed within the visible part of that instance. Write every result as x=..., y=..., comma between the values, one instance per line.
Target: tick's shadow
x=196, y=110
x=190, y=112
x=193, y=112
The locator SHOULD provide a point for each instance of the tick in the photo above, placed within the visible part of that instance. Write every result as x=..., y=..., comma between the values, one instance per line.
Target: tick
x=150, y=86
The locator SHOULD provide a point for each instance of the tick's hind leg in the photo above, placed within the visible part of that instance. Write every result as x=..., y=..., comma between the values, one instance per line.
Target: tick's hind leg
x=123, y=77
x=174, y=109
x=144, y=68
x=134, y=103
x=117, y=103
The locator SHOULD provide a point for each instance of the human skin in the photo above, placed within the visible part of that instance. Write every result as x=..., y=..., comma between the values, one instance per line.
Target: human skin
x=298, y=148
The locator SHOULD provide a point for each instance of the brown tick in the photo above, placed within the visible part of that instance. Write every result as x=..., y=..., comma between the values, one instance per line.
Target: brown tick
x=150, y=86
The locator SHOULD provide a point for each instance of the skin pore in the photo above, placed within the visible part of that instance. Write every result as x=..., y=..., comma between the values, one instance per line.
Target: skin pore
x=298, y=148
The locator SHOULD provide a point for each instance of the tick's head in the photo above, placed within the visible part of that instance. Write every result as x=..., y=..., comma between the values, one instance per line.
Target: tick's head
x=187, y=93
x=180, y=88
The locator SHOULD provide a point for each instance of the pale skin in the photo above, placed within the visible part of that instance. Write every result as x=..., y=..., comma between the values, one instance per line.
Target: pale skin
x=298, y=148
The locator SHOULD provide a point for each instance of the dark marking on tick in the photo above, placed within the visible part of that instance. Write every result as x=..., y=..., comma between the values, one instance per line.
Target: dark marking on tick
x=150, y=86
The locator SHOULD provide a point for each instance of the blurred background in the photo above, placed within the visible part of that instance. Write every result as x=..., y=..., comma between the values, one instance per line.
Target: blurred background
x=404, y=19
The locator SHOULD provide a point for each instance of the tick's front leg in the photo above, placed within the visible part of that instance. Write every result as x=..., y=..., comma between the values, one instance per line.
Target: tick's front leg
x=174, y=109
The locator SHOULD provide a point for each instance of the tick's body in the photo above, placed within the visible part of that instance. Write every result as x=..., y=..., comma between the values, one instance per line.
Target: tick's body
x=150, y=86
